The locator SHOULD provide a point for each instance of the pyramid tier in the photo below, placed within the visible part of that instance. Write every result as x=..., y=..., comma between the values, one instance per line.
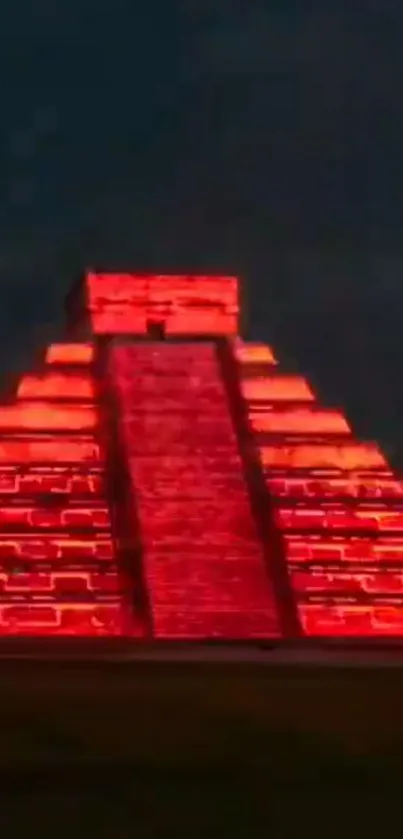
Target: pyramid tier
x=58, y=558
x=337, y=506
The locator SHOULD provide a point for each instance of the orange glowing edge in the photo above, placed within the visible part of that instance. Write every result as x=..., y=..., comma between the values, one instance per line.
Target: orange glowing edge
x=51, y=547
x=70, y=354
x=38, y=416
x=344, y=457
x=60, y=583
x=54, y=517
x=351, y=620
x=299, y=420
x=368, y=582
x=309, y=518
x=352, y=549
x=354, y=486
x=64, y=618
x=75, y=480
x=53, y=450
x=56, y=386
x=248, y=353
x=277, y=388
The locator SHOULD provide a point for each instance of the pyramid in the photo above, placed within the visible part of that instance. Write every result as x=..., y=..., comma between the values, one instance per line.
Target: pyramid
x=161, y=478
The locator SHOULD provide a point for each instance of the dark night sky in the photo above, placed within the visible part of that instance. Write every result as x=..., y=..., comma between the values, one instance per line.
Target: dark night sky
x=201, y=135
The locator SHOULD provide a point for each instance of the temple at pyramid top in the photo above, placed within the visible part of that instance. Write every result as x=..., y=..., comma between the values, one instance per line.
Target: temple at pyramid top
x=161, y=478
x=137, y=304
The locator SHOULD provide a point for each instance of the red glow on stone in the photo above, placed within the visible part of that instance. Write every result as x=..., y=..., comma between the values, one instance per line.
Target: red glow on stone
x=52, y=547
x=78, y=619
x=355, y=486
x=53, y=450
x=203, y=562
x=335, y=506
x=344, y=456
x=336, y=581
x=277, y=388
x=351, y=620
x=58, y=571
x=299, y=420
x=56, y=386
x=340, y=519
x=320, y=549
x=60, y=583
x=248, y=353
x=70, y=354
x=54, y=518
x=45, y=416
x=38, y=480
x=185, y=305
x=335, y=503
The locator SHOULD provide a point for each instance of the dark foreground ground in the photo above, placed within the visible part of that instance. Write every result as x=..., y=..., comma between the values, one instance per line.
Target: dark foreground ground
x=194, y=750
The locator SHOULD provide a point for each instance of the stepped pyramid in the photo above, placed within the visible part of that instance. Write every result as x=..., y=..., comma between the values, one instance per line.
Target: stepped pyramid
x=161, y=478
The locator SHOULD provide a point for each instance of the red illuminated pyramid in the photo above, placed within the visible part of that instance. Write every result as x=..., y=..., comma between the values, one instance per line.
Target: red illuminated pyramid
x=161, y=478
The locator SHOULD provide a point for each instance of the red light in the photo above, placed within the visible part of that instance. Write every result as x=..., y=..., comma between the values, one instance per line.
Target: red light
x=51, y=450
x=60, y=583
x=210, y=624
x=299, y=420
x=340, y=620
x=320, y=549
x=125, y=303
x=330, y=582
x=356, y=486
x=343, y=456
x=203, y=561
x=307, y=518
x=53, y=518
x=56, y=480
x=206, y=570
x=42, y=416
x=70, y=354
x=82, y=619
x=248, y=353
x=56, y=386
x=50, y=548
x=276, y=388
x=197, y=481
x=51, y=556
